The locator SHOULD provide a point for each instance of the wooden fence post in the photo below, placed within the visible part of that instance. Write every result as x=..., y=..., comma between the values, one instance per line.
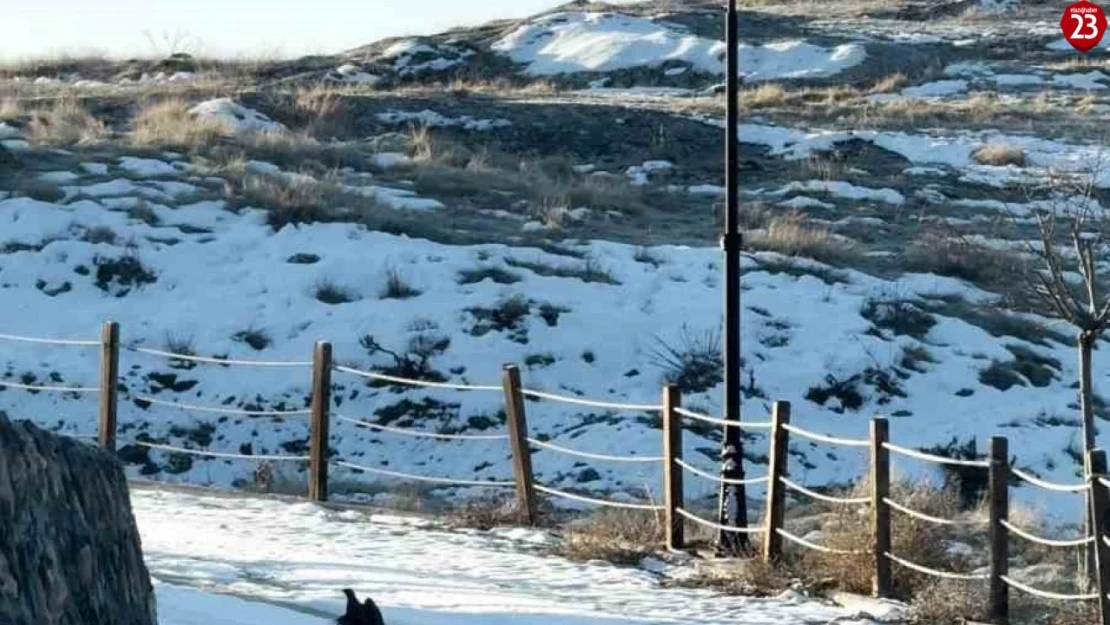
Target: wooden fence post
x=1100, y=499
x=109, y=384
x=672, y=473
x=776, y=490
x=999, y=493
x=318, y=437
x=518, y=437
x=880, y=512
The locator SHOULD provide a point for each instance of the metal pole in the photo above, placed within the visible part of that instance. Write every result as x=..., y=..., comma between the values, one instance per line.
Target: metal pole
x=733, y=501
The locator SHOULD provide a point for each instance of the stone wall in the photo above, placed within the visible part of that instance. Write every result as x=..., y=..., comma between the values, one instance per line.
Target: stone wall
x=69, y=547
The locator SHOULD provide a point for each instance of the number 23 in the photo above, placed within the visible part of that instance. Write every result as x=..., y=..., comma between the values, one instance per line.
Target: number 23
x=1090, y=22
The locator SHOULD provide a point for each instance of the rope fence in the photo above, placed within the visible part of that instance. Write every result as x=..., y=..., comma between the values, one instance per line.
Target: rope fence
x=823, y=438
x=322, y=411
x=751, y=481
x=743, y=425
x=419, y=434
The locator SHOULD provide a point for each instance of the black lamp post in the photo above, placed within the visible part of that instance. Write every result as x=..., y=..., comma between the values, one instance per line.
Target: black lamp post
x=733, y=500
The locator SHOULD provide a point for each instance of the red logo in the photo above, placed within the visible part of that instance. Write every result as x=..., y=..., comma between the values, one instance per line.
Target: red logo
x=1083, y=24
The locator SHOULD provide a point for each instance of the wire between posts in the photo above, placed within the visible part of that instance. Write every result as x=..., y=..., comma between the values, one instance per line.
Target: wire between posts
x=419, y=434
x=847, y=501
x=593, y=456
x=1060, y=488
x=421, y=478
x=598, y=502
x=925, y=517
x=751, y=481
x=920, y=455
x=824, y=438
x=805, y=543
x=717, y=526
x=965, y=577
x=42, y=341
x=1048, y=542
x=49, y=389
x=217, y=454
x=227, y=362
x=743, y=425
x=427, y=384
x=591, y=403
x=228, y=411
x=1045, y=594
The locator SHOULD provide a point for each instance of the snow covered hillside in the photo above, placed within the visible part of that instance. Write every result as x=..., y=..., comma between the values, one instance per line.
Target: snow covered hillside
x=286, y=564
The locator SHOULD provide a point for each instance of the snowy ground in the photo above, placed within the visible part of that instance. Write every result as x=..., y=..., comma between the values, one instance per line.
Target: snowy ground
x=287, y=563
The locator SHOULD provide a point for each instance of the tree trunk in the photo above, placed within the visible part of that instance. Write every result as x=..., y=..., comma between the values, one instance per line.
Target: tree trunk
x=1086, y=342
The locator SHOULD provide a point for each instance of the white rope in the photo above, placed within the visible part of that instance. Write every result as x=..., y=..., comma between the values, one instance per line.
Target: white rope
x=421, y=478
x=599, y=502
x=848, y=501
x=720, y=480
x=1060, y=488
x=220, y=361
x=925, y=517
x=1045, y=594
x=805, y=543
x=418, y=434
x=823, y=438
x=983, y=464
x=50, y=389
x=34, y=339
x=583, y=454
x=390, y=378
x=717, y=526
x=214, y=454
x=965, y=577
x=233, y=411
x=743, y=425
x=1078, y=542
x=591, y=403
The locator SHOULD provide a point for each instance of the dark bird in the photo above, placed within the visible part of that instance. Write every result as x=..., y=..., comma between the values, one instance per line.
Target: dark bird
x=365, y=614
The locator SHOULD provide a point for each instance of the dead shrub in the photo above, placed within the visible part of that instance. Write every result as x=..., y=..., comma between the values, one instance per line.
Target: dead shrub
x=486, y=513
x=1000, y=155
x=66, y=123
x=11, y=109
x=890, y=84
x=946, y=253
x=763, y=96
x=615, y=535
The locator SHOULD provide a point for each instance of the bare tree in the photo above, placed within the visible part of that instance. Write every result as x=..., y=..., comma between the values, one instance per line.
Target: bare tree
x=1074, y=233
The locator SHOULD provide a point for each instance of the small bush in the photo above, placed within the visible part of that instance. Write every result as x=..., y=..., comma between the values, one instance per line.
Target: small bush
x=507, y=315
x=496, y=274
x=331, y=293
x=890, y=84
x=765, y=95
x=181, y=345
x=1001, y=376
x=67, y=123
x=999, y=155
x=257, y=339
x=588, y=271
x=902, y=317
x=795, y=235
x=954, y=256
x=100, y=234
x=648, y=257
x=618, y=536
x=694, y=363
x=413, y=364
x=396, y=287
x=126, y=272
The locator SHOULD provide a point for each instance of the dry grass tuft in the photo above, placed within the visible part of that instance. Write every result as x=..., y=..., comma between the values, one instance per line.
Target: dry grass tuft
x=10, y=109
x=946, y=253
x=614, y=535
x=796, y=235
x=764, y=96
x=890, y=84
x=168, y=124
x=1000, y=155
x=67, y=123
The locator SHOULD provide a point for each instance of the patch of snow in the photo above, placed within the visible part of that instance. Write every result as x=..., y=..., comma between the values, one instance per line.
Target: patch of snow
x=147, y=167
x=676, y=71
x=9, y=132
x=1089, y=80
x=355, y=74
x=59, y=177
x=936, y=89
x=433, y=119
x=533, y=226
x=640, y=174
x=570, y=42
x=707, y=189
x=15, y=145
x=1018, y=80
x=390, y=160
x=846, y=190
x=584, y=169
x=801, y=202
x=234, y=116
x=96, y=169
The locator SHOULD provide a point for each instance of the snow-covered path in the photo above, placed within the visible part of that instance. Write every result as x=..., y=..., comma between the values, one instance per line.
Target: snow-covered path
x=302, y=555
